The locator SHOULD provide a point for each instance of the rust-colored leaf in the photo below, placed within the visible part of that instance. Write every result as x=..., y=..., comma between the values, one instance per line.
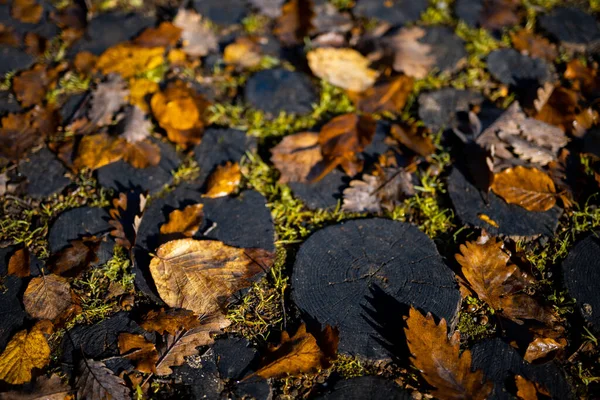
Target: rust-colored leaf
x=201, y=275
x=527, y=390
x=299, y=354
x=186, y=221
x=296, y=155
x=529, y=188
x=415, y=138
x=223, y=181
x=136, y=348
x=542, y=348
x=24, y=352
x=346, y=68
x=294, y=23
x=387, y=96
x=583, y=78
x=497, y=14
x=526, y=41
x=47, y=297
x=126, y=216
x=485, y=265
x=27, y=11
x=20, y=132
x=30, y=86
x=165, y=35
x=18, y=264
x=74, y=259
x=45, y=388
x=169, y=321
x=440, y=361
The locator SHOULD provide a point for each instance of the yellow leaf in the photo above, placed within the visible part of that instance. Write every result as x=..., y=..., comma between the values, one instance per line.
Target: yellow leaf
x=24, y=352
x=129, y=60
x=224, y=180
x=139, y=89
x=186, y=221
x=346, y=68
x=529, y=188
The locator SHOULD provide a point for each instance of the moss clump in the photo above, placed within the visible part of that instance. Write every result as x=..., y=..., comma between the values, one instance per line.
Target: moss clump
x=439, y=12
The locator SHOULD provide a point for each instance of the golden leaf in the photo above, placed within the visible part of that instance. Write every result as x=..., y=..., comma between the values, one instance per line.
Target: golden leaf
x=169, y=321
x=440, y=361
x=186, y=221
x=96, y=151
x=24, y=352
x=47, y=297
x=139, y=89
x=541, y=348
x=529, y=188
x=129, y=60
x=296, y=155
x=27, y=11
x=527, y=390
x=201, y=275
x=136, y=348
x=244, y=52
x=346, y=68
x=224, y=180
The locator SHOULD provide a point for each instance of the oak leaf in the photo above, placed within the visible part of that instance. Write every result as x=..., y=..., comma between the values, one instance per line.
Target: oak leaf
x=299, y=354
x=165, y=35
x=294, y=23
x=198, y=37
x=45, y=388
x=485, y=265
x=24, y=352
x=96, y=151
x=296, y=155
x=95, y=381
x=47, y=297
x=223, y=181
x=387, y=96
x=136, y=127
x=529, y=188
x=186, y=221
x=201, y=275
x=30, y=86
x=26, y=11
x=440, y=361
x=136, y=348
x=412, y=57
x=346, y=68
x=129, y=60
x=169, y=321
x=19, y=263
x=108, y=98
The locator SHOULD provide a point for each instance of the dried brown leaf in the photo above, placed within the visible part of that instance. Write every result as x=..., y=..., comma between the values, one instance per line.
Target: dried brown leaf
x=296, y=155
x=375, y=193
x=223, y=181
x=169, y=321
x=387, y=96
x=526, y=41
x=198, y=37
x=413, y=137
x=126, y=216
x=412, y=57
x=26, y=11
x=497, y=14
x=96, y=382
x=440, y=361
x=294, y=23
x=136, y=348
x=136, y=127
x=19, y=263
x=527, y=390
x=165, y=35
x=96, y=151
x=186, y=221
x=346, y=68
x=542, y=348
x=74, y=259
x=45, y=388
x=243, y=53
x=47, y=297
x=529, y=188
x=108, y=98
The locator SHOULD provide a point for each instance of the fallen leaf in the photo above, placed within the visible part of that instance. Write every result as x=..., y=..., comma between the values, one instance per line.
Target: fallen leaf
x=386, y=96
x=108, y=98
x=35, y=44
x=45, y=388
x=173, y=349
x=75, y=258
x=201, y=275
x=529, y=188
x=583, y=78
x=96, y=151
x=341, y=139
x=198, y=37
x=165, y=35
x=497, y=14
x=142, y=154
x=30, y=86
x=21, y=132
x=223, y=181
x=129, y=60
x=243, y=53
x=440, y=360
x=527, y=390
x=485, y=218
x=299, y=354
x=527, y=42
x=8, y=36
x=186, y=221
x=346, y=68
x=294, y=23
x=296, y=155
x=375, y=193
x=169, y=321
x=135, y=125
x=139, y=91
x=18, y=264
x=95, y=381
x=24, y=352
x=542, y=348
x=47, y=297
x=414, y=138
x=136, y=348
x=412, y=57
x=126, y=216
x=486, y=268
x=26, y=11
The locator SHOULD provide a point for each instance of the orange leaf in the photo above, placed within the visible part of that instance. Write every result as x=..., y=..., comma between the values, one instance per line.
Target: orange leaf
x=26, y=11
x=529, y=188
x=18, y=264
x=186, y=222
x=137, y=348
x=542, y=348
x=526, y=41
x=527, y=390
x=169, y=321
x=295, y=22
x=439, y=359
x=224, y=180
x=165, y=35
x=414, y=138
x=388, y=96
x=129, y=60
x=72, y=260
x=96, y=151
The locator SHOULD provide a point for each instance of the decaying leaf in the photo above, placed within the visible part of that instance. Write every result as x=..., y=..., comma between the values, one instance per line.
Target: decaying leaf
x=223, y=181
x=139, y=90
x=74, y=259
x=179, y=111
x=440, y=361
x=19, y=263
x=20, y=132
x=294, y=23
x=165, y=35
x=45, y=388
x=169, y=321
x=108, y=98
x=47, y=297
x=387, y=96
x=26, y=11
x=135, y=125
x=24, y=352
x=529, y=188
x=341, y=139
x=270, y=8
x=174, y=348
x=30, y=86
x=95, y=381
x=299, y=354
x=486, y=267
x=201, y=275
x=129, y=60
x=413, y=137
x=526, y=41
x=198, y=37
x=186, y=221
x=412, y=57
x=383, y=191
x=346, y=68
x=136, y=348
x=527, y=390
x=542, y=348
x=583, y=78
x=296, y=155
x=126, y=216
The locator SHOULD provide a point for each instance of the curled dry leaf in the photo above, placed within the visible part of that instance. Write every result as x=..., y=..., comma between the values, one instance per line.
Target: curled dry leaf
x=529, y=188
x=179, y=111
x=440, y=361
x=26, y=11
x=387, y=96
x=198, y=37
x=346, y=68
x=165, y=35
x=542, y=348
x=296, y=155
x=415, y=138
x=486, y=268
x=201, y=275
x=24, y=352
x=295, y=22
x=412, y=57
x=383, y=191
x=95, y=381
x=136, y=348
x=47, y=297
x=526, y=41
x=223, y=181
x=30, y=86
x=129, y=60
x=299, y=354
x=186, y=221
x=19, y=263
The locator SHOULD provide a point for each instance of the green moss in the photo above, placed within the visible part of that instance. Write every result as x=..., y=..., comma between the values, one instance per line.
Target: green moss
x=439, y=12
x=478, y=42
x=343, y=4
x=255, y=23
x=350, y=367
x=473, y=325
x=69, y=84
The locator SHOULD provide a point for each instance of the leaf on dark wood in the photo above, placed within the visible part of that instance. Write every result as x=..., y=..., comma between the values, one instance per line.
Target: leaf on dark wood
x=223, y=181
x=136, y=348
x=47, y=297
x=543, y=348
x=583, y=78
x=198, y=37
x=19, y=263
x=497, y=14
x=169, y=321
x=346, y=68
x=26, y=11
x=20, y=132
x=186, y=221
x=386, y=96
x=485, y=265
x=374, y=193
x=412, y=57
x=296, y=155
x=294, y=23
x=126, y=216
x=31, y=86
x=96, y=382
x=529, y=188
x=74, y=259
x=136, y=127
x=108, y=98
x=440, y=360
x=527, y=390
x=413, y=137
